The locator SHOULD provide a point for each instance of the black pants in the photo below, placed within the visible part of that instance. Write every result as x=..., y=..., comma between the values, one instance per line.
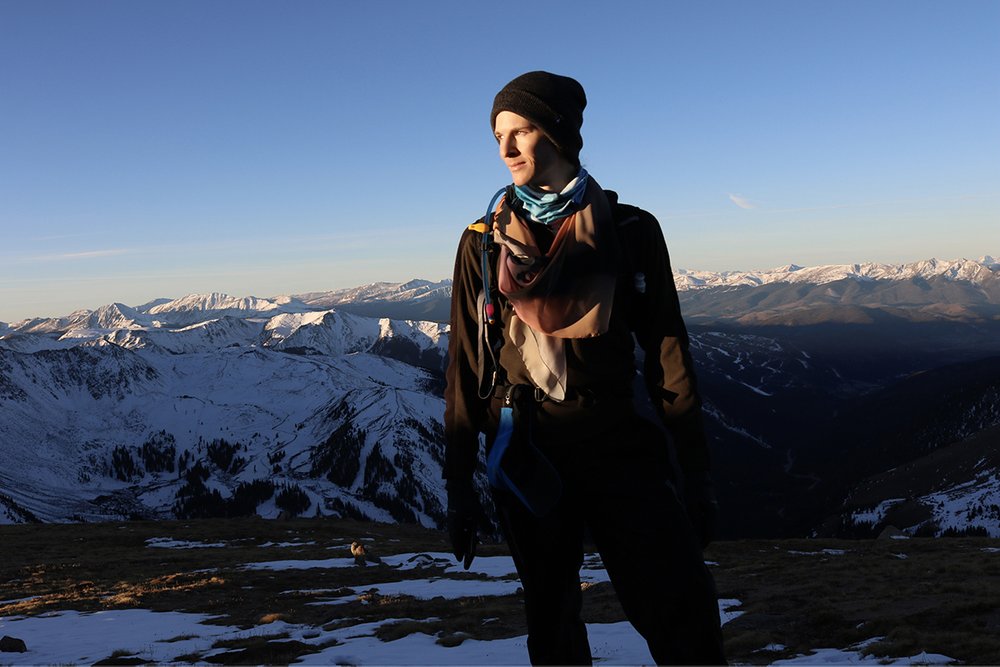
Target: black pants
x=617, y=487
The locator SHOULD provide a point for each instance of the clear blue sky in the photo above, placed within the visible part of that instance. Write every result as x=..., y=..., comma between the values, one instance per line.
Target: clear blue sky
x=152, y=149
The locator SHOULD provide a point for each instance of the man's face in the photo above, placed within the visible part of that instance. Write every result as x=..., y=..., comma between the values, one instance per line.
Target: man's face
x=532, y=159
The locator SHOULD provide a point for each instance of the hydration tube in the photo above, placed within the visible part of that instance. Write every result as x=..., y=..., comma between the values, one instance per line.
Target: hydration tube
x=488, y=309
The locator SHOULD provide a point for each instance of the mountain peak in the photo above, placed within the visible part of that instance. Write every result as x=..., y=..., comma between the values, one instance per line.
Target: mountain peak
x=978, y=272
x=787, y=268
x=412, y=290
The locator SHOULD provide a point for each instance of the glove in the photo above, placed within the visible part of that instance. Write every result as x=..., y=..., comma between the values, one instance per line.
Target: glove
x=464, y=512
x=701, y=505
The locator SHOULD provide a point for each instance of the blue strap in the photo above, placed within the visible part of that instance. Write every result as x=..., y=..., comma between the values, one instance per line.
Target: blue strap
x=500, y=444
x=542, y=489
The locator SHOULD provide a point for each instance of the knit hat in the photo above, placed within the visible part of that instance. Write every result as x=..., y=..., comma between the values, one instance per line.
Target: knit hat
x=554, y=103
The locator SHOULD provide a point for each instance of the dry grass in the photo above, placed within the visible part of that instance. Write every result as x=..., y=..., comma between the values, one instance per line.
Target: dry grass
x=942, y=597
x=934, y=595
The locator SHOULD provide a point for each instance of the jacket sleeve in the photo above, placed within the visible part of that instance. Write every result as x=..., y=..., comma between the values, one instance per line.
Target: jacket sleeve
x=465, y=411
x=660, y=331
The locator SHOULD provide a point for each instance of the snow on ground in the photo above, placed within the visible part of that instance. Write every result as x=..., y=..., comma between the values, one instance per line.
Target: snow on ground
x=301, y=564
x=490, y=566
x=449, y=589
x=610, y=644
x=72, y=637
x=500, y=570
x=852, y=656
x=83, y=638
x=287, y=544
x=170, y=543
x=822, y=552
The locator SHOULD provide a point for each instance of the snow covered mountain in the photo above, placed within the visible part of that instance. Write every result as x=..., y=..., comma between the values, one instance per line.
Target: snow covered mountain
x=927, y=291
x=982, y=271
x=211, y=404
x=193, y=406
x=953, y=490
x=413, y=300
x=931, y=289
x=414, y=290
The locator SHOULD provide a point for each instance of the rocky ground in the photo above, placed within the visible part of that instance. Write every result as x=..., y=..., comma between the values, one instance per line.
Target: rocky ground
x=257, y=591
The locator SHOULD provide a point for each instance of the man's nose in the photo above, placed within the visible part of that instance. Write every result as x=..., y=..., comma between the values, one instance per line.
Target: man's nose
x=507, y=147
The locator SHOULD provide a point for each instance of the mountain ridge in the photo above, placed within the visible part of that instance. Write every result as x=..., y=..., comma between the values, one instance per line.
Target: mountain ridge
x=420, y=293
x=983, y=270
x=327, y=404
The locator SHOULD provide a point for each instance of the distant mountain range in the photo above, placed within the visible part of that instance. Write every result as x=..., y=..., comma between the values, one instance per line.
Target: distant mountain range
x=925, y=291
x=982, y=272
x=941, y=288
x=330, y=402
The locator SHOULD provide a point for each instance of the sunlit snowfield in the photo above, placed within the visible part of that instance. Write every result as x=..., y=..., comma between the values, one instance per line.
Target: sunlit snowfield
x=85, y=637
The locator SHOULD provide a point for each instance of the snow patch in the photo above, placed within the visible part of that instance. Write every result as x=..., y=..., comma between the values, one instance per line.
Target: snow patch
x=853, y=655
x=875, y=515
x=170, y=543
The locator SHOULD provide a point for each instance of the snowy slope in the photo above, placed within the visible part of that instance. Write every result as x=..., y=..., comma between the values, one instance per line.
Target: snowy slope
x=201, y=337
x=82, y=396
x=199, y=307
x=953, y=489
x=411, y=291
x=342, y=406
x=84, y=403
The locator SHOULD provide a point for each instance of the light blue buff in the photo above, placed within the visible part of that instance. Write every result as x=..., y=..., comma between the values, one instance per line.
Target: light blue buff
x=548, y=207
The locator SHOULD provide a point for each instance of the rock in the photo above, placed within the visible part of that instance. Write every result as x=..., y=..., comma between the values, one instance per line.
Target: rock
x=12, y=645
x=363, y=555
x=359, y=552
x=891, y=533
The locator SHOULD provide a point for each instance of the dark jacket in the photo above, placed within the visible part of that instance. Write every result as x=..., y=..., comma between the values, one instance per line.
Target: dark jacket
x=600, y=370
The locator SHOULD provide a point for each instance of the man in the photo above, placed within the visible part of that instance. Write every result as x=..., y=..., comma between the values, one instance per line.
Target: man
x=548, y=291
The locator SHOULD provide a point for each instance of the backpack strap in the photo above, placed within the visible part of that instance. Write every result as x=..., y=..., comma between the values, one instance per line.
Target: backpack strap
x=487, y=239
x=484, y=304
x=626, y=215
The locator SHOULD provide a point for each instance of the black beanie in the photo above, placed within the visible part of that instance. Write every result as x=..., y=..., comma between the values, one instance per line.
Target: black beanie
x=554, y=103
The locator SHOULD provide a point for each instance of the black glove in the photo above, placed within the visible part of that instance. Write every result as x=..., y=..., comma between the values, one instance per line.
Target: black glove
x=464, y=512
x=702, y=507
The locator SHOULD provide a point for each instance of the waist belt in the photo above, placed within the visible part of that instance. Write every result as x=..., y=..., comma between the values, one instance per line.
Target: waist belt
x=585, y=396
